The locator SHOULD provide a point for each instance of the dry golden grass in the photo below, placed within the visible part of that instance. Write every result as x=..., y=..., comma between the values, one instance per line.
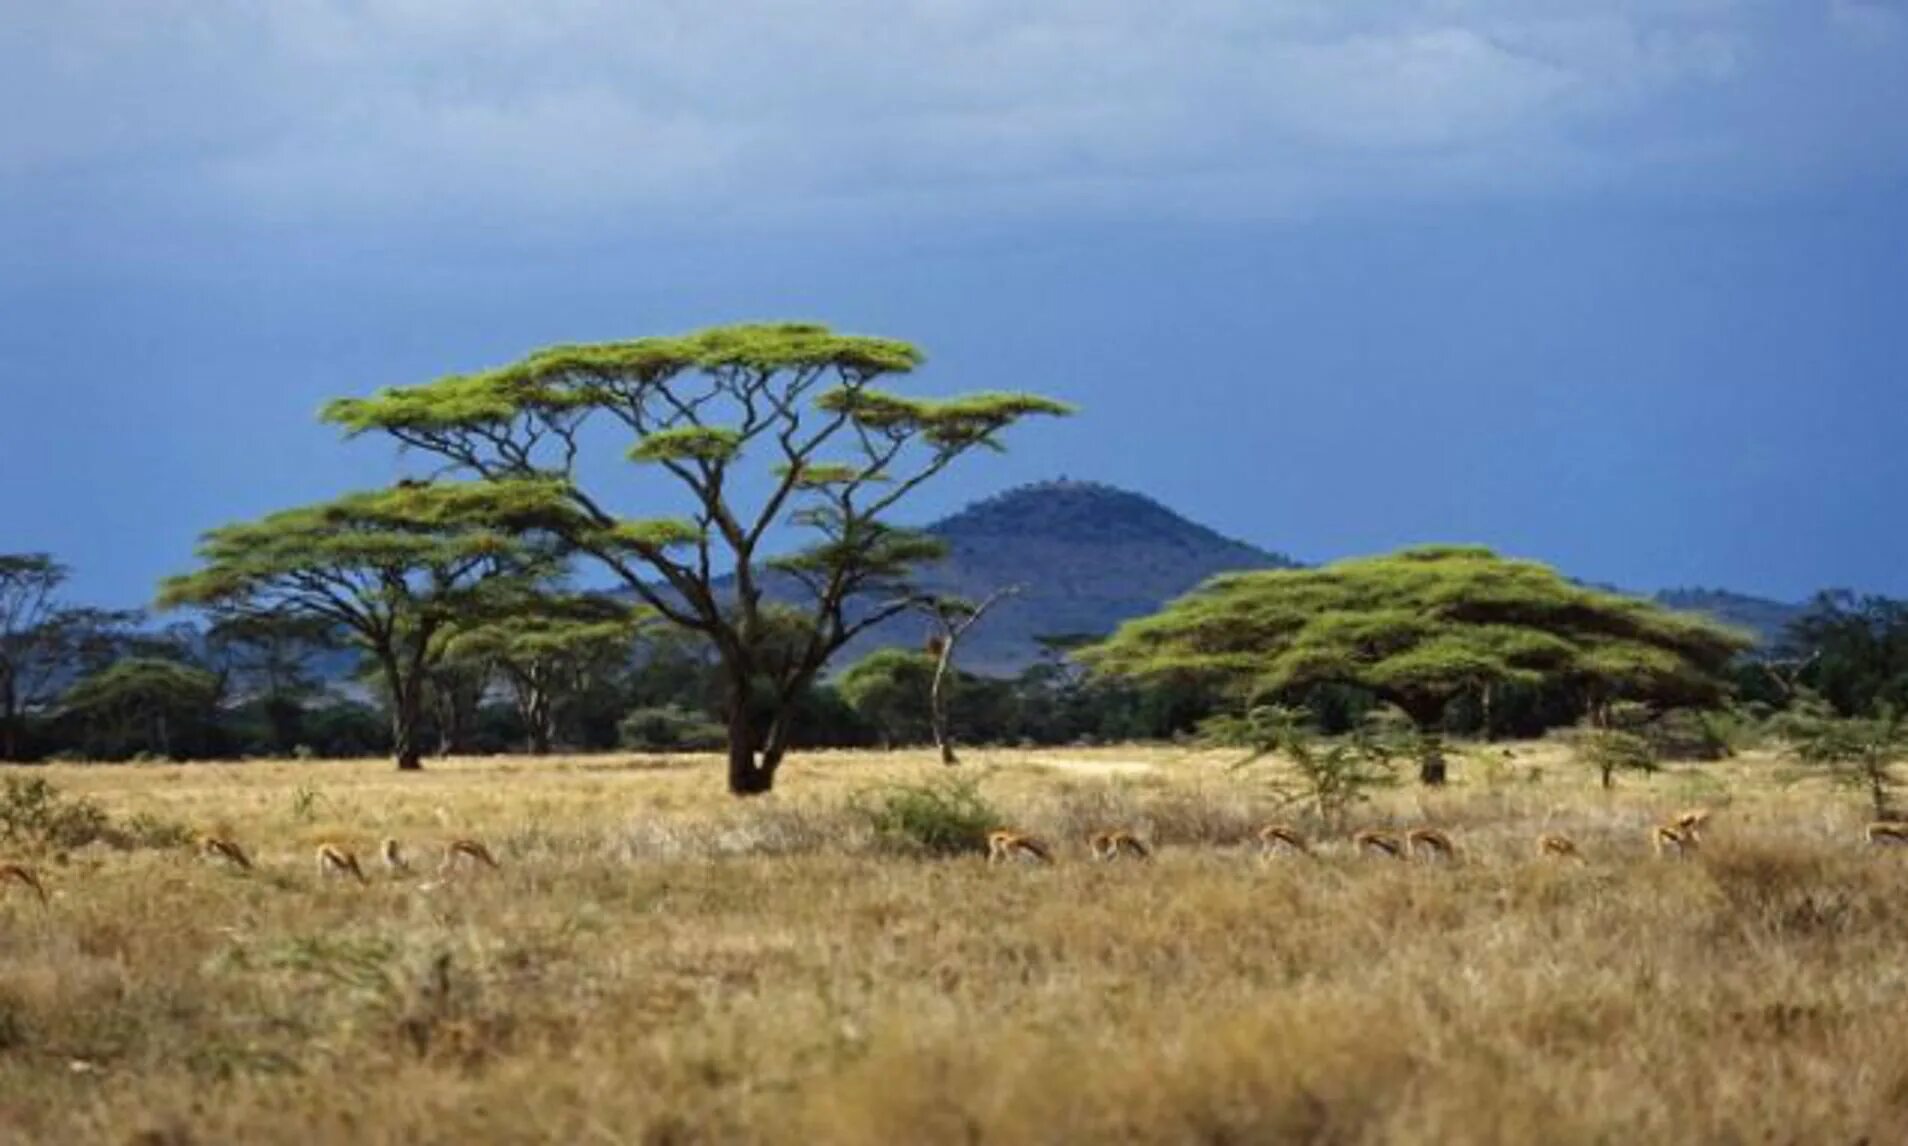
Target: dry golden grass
x=655, y=963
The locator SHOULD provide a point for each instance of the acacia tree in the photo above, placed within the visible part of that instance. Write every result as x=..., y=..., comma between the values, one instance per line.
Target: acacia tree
x=269, y=662
x=1421, y=627
x=44, y=643
x=549, y=647
x=953, y=618
x=888, y=689
x=395, y=569
x=144, y=704
x=834, y=453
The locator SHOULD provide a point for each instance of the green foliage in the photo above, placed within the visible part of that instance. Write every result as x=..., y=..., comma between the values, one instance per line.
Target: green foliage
x=144, y=830
x=669, y=729
x=842, y=453
x=1329, y=778
x=1692, y=734
x=945, y=818
x=33, y=815
x=396, y=569
x=1851, y=652
x=1613, y=750
x=143, y=706
x=888, y=689
x=1421, y=627
x=1859, y=753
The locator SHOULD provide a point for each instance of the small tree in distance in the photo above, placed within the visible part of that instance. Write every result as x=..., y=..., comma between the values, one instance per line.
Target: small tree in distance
x=44, y=643
x=1328, y=777
x=396, y=569
x=1862, y=754
x=953, y=618
x=546, y=648
x=1419, y=628
x=834, y=453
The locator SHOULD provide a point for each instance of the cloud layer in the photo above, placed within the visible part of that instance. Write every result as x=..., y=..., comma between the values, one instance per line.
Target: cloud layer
x=394, y=109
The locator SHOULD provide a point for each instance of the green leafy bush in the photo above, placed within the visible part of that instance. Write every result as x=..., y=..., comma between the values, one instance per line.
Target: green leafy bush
x=669, y=729
x=1330, y=777
x=33, y=814
x=945, y=818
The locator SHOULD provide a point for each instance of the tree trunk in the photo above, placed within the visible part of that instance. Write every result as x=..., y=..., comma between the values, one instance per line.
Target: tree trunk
x=9, y=719
x=406, y=707
x=937, y=704
x=754, y=757
x=1431, y=767
x=539, y=719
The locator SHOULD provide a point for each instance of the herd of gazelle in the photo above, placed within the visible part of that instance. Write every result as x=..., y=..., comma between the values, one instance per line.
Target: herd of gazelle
x=338, y=861
x=335, y=861
x=1679, y=835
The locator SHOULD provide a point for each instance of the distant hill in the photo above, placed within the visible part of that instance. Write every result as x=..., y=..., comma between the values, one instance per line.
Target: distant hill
x=1088, y=557
x=1759, y=615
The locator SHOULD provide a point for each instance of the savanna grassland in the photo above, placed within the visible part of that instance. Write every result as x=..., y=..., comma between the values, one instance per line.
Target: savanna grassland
x=656, y=962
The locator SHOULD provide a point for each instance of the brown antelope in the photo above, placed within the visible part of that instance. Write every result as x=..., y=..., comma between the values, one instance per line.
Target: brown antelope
x=1562, y=847
x=21, y=874
x=1118, y=844
x=1887, y=833
x=468, y=852
x=1692, y=820
x=393, y=856
x=334, y=860
x=1004, y=845
x=220, y=848
x=1377, y=842
x=1672, y=840
x=1430, y=844
x=1282, y=839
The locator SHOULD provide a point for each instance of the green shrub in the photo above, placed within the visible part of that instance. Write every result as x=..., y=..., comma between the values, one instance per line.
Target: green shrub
x=33, y=814
x=669, y=728
x=1612, y=750
x=1327, y=777
x=944, y=818
x=1686, y=734
x=146, y=831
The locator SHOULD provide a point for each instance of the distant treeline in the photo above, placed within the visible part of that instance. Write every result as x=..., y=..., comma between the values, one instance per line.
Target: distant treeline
x=87, y=683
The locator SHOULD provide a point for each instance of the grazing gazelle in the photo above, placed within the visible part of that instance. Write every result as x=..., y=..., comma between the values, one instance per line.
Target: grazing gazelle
x=1429, y=843
x=1282, y=839
x=467, y=852
x=1887, y=833
x=1692, y=820
x=1378, y=842
x=1673, y=840
x=21, y=874
x=1118, y=844
x=1004, y=845
x=335, y=860
x=1563, y=847
x=393, y=856
x=220, y=848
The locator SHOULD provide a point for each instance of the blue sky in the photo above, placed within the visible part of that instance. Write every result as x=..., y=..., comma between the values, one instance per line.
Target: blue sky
x=1615, y=284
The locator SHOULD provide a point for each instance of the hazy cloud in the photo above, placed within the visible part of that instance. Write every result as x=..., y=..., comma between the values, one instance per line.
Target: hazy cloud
x=401, y=108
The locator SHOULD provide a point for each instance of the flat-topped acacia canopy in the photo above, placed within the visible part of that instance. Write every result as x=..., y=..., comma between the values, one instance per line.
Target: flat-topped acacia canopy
x=800, y=400
x=396, y=568
x=1422, y=626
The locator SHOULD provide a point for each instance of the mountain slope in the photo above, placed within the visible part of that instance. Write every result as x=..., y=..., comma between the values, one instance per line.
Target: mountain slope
x=1087, y=556
x=1759, y=615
